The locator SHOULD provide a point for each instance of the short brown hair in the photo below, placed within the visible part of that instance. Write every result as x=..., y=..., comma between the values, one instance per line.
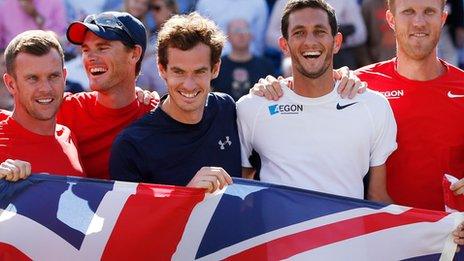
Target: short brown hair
x=186, y=31
x=35, y=42
x=295, y=5
x=391, y=4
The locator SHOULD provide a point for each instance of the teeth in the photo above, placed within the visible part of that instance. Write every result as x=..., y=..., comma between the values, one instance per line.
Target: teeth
x=97, y=70
x=188, y=95
x=420, y=34
x=45, y=100
x=312, y=53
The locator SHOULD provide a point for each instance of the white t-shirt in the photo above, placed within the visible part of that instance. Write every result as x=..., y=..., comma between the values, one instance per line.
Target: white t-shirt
x=325, y=144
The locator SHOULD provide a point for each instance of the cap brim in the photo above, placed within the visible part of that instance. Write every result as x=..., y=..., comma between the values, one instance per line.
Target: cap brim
x=76, y=32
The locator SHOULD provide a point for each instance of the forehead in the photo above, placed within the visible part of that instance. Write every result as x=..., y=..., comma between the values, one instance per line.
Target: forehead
x=91, y=38
x=238, y=24
x=308, y=17
x=197, y=57
x=26, y=63
x=403, y=4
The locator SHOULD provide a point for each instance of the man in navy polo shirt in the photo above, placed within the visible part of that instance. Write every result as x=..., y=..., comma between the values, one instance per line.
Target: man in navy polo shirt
x=191, y=137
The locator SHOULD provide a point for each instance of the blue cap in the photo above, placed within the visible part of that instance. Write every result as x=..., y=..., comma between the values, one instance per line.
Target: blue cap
x=113, y=26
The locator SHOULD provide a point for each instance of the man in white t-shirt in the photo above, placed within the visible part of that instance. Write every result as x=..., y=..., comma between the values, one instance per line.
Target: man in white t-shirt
x=312, y=138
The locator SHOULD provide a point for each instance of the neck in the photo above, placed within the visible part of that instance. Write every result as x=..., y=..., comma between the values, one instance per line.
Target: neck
x=240, y=56
x=41, y=127
x=419, y=70
x=313, y=87
x=117, y=98
x=191, y=117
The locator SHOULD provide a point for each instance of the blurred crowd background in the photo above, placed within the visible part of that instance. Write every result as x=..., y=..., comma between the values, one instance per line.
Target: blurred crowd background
x=252, y=27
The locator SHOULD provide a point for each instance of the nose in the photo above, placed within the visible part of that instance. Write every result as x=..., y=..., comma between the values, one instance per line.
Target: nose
x=189, y=83
x=46, y=86
x=310, y=39
x=419, y=20
x=88, y=56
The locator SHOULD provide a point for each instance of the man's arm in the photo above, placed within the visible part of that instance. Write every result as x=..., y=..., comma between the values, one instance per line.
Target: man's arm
x=377, y=190
x=248, y=173
x=349, y=86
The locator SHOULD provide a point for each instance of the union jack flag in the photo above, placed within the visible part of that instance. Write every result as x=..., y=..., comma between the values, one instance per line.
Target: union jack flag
x=65, y=218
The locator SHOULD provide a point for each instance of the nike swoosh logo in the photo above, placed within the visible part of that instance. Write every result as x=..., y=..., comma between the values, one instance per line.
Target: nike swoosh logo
x=341, y=107
x=451, y=95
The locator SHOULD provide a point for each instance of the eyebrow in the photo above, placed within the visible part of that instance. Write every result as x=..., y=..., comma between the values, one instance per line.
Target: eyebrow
x=317, y=26
x=201, y=69
x=102, y=43
x=175, y=68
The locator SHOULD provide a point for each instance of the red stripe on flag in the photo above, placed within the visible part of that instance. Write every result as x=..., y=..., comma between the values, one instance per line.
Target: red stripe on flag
x=151, y=223
x=291, y=245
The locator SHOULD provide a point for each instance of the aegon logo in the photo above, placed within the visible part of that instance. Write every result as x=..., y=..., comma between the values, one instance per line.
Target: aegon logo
x=395, y=94
x=285, y=109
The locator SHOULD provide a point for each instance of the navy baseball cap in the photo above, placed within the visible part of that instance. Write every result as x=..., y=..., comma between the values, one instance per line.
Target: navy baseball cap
x=113, y=26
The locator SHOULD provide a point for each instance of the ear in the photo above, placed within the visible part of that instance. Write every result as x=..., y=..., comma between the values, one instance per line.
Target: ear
x=444, y=15
x=65, y=73
x=162, y=71
x=338, y=40
x=10, y=83
x=137, y=53
x=390, y=19
x=284, y=45
x=215, y=69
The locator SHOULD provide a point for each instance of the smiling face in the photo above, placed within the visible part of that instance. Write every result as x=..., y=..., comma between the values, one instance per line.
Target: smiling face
x=417, y=25
x=37, y=90
x=109, y=64
x=310, y=43
x=188, y=75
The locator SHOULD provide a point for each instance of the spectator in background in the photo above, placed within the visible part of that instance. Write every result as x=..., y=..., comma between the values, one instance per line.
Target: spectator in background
x=381, y=43
x=273, y=30
x=161, y=11
x=255, y=12
x=76, y=71
x=351, y=25
x=6, y=100
x=78, y=10
x=240, y=69
x=186, y=6
x=137, y=8
x=452, y=36
x=22, y=15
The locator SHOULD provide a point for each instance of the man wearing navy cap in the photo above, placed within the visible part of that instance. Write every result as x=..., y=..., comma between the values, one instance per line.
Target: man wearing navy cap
x=113, y=44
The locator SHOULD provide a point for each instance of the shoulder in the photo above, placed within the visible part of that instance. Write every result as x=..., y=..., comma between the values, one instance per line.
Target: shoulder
x=80, y=99
x=380, y=69
x=221, y=99
x=64, y=133
x=4, y=114
x=454, y=72
x=252, y=101
x=373, y=100
x=138, y=131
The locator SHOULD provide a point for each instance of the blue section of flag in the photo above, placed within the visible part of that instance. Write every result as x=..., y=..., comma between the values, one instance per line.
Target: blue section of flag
x=42, y=201
x=266, y=208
